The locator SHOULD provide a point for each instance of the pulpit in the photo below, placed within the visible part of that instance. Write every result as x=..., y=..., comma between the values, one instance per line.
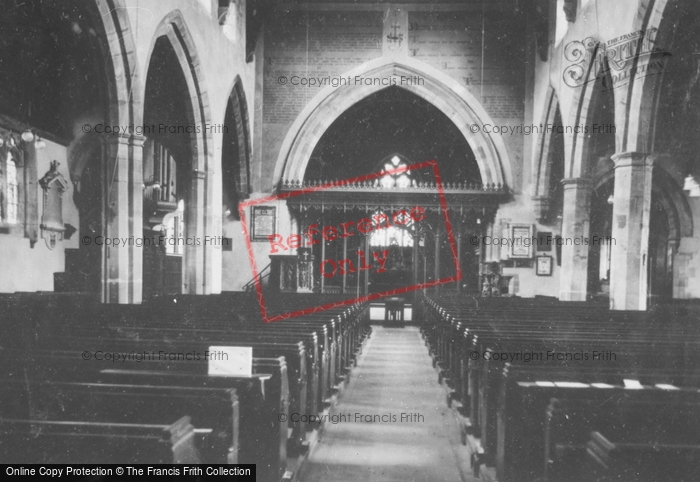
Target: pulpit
x=283, y=273
x=492, y=281
x=305, y=271
x=292, y=273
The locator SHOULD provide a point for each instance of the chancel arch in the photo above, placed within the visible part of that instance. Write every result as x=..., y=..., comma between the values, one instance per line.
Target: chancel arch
x=443, y=92
x=386, y=161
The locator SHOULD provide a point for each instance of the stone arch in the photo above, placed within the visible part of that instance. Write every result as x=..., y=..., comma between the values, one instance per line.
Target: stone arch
x=122, y=269
x=201, y=211
x=440, y=90
x=542, y=167
x=239, y=104
x=642, y=91
x=578, y=138
x=174, y=28
x=669, y=194
x=125, y=84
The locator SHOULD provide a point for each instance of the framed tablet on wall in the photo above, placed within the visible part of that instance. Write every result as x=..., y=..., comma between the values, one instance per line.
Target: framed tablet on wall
x=544, y=266
x=544, y=241
x=262, y=222
x=520, y=241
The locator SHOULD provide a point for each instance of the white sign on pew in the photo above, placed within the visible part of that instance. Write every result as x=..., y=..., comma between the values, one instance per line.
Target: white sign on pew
x=232, y=361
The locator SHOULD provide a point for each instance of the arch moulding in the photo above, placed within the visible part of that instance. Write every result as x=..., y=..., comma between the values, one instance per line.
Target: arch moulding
x=442, y=91
x=201, y=266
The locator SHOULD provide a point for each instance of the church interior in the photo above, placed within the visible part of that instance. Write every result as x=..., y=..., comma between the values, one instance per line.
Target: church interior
x=332, y=240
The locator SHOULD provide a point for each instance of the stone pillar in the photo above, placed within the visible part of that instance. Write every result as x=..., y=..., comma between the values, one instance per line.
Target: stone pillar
x=573, y=278
x=630, y=232
x=123, y=178
x=194, y=263
x=437, y=259
x=459, y=258
x=368, y=257
x=323, y=257
x=414, y=259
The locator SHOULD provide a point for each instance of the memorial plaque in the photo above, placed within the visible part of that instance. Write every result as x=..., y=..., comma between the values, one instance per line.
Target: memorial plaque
x=520, y=241
x=262, y=222
x=544, y=266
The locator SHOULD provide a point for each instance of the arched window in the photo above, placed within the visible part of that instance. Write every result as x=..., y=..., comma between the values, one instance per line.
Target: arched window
x=395, y=175
x=12, y=190
x=391, y=236
x=400, y=233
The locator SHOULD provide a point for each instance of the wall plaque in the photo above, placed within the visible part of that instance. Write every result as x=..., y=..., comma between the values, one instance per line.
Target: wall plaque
x=520, y=241
x=54, y=185
x=262, y=222
x=544, y=241
x=544, y=266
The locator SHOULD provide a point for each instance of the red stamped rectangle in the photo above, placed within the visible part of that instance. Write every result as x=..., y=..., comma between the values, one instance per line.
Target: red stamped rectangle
x=367, y=184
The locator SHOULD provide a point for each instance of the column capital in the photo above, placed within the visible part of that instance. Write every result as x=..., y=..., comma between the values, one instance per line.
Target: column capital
x=125, y=138
x=138, y=140
x=630, y=158
x=577, y=182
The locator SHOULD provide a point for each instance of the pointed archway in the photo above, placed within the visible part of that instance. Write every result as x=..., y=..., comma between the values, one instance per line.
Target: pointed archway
x=443, y=92
x=199, y=259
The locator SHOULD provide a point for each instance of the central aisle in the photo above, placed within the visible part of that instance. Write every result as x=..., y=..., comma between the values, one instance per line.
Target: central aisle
x=394, y=376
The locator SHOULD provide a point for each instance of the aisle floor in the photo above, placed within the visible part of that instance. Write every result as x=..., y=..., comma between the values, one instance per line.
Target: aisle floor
x=394, y=376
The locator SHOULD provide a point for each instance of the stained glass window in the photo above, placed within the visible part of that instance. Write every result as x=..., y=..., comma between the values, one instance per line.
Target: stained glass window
x=392, y=178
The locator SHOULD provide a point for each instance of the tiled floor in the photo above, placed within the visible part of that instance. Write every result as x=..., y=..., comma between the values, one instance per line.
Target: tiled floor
x=393, y=377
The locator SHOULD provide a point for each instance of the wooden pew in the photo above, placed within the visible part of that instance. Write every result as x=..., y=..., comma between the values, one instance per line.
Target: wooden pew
x=213, y=409
x=569, y=423
x=521, y=418
x=512, y=336
x=308, y=408
x=626, y=458
x=344, y=322
x=261, y=398
x=342, y=334
x=343, y=325
x=454, y=329
x=263, y=436
x=61, y=442
x=309, y=383
x=294, y=352
x=331, y=364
